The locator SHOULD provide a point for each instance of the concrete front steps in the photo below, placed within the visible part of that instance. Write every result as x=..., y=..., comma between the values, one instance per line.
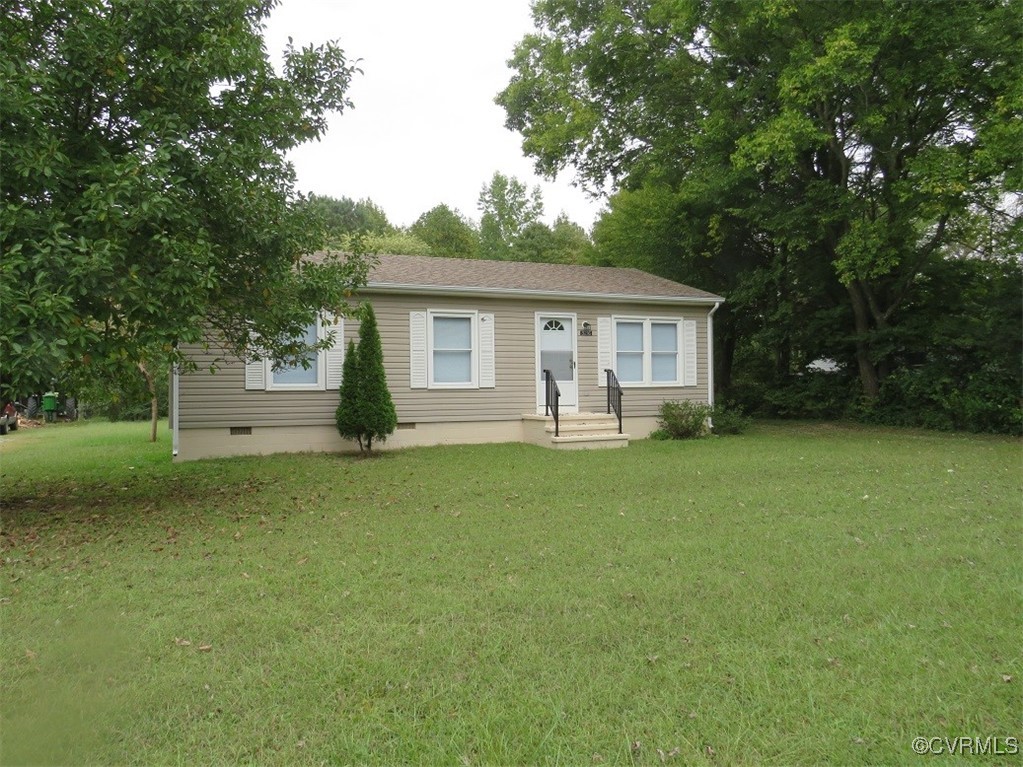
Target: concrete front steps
x=577, y=431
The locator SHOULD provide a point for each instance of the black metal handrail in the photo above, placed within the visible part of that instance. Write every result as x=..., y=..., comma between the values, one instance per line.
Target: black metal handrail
x=552, y=398
x=614, y=396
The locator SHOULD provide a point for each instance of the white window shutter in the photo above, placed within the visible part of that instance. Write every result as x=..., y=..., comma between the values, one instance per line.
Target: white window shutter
x=487, y=377
x=689, y=350
x=417, y=349
x=335, y=355
x=255, y=375
x=603, y=349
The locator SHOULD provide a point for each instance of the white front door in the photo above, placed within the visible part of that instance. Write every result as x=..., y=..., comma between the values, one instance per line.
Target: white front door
x=555, y=351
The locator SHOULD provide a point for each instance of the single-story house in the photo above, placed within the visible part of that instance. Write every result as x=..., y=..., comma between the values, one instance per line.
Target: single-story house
x=465, y=345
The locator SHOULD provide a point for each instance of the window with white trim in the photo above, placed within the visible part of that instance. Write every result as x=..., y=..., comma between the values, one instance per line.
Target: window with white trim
x=453, y=348
x=646, y=351
x=324, y=366
x=298, y=376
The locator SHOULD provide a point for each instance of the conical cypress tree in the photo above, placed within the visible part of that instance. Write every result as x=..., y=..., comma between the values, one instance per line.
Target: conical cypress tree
x=377, y=417
x=347, y=413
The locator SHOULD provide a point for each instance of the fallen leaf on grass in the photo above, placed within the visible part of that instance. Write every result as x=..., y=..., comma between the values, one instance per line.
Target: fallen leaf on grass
x=1006, y=677
x=205, y=647
x=303, y=560
x=182, y=642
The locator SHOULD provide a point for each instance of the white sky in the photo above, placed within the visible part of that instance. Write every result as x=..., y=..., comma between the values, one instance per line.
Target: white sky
x=425, y=129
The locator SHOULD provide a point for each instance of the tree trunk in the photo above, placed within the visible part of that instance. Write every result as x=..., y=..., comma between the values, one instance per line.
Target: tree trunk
x=869, y=379
x=154, y=404
x=723, y=380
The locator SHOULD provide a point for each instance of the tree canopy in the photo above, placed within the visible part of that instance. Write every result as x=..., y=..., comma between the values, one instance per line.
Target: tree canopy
x=507, y=207
x=817, y=162
x=146, y=200
x=447, y=232
x=346, y=217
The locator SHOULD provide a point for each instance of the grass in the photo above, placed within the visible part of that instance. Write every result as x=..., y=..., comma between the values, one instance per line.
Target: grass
x=801, y=594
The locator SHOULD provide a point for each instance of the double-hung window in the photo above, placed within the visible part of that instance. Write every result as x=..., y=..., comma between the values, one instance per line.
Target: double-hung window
x=647, y=351
x=300, y=376
x=322, y=370
x=453, y=349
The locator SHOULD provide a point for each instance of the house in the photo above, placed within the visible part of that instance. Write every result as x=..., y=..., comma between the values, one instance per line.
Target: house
x=465, y=345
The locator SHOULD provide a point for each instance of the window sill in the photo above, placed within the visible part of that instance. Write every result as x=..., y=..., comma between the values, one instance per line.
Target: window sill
x=455, y=386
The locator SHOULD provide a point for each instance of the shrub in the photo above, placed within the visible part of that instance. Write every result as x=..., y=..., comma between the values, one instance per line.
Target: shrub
x=729, y=421
x=347, y=414
x=684, y=420
x=366, y=411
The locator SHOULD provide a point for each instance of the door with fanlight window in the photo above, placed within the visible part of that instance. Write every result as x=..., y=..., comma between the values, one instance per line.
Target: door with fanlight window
x=556, y=351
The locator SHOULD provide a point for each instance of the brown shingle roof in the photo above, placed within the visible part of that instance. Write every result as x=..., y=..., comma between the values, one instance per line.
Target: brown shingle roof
x=472, y=276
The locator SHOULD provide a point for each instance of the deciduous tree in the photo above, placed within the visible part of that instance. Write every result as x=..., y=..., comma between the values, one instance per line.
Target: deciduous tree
x=447, y=232
x=852, y=139
x=507, y=208
x=146, y=201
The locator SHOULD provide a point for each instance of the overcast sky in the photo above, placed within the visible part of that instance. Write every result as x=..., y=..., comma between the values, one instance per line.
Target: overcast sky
x=425, y=129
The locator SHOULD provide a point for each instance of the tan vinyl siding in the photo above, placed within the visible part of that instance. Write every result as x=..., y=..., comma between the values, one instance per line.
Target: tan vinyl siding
x=220, y=400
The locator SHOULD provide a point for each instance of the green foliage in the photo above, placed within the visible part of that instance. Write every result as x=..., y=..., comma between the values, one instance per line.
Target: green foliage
x=447, y=232
x=984, y=400
x=397, y=242
x=811, y=394
x=571, y=244
x=507, y=208
x=124, y=397
x=684, y=419
x=814, y=162
x=377, y=417
x=728, y=420
x=146, y=199
x=346, y=217
x=366, y=411
x=347, y=413
x=535, y=243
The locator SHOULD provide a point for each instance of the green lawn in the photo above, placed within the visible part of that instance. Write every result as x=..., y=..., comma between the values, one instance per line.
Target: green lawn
x=803, y=594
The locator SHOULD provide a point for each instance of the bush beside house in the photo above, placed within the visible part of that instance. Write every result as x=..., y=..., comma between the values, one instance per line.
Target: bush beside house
x=366, y=411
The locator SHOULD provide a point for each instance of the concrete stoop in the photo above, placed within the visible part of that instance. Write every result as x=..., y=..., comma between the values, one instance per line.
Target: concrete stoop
x=577, y=431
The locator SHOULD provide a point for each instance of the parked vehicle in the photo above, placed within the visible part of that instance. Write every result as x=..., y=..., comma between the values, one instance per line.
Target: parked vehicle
x=8, y=419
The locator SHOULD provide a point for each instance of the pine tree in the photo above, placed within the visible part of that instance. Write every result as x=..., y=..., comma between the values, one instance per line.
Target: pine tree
x=376, y=415
x=347, y=413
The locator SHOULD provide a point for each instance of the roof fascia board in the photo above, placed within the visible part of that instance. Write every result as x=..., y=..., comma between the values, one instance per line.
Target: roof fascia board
x=565, y=295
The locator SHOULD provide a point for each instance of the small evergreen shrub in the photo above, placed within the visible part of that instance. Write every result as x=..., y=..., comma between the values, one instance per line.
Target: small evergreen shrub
x=684, y=419
x=377, y=415
x=365, y=411
x=347, y=413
